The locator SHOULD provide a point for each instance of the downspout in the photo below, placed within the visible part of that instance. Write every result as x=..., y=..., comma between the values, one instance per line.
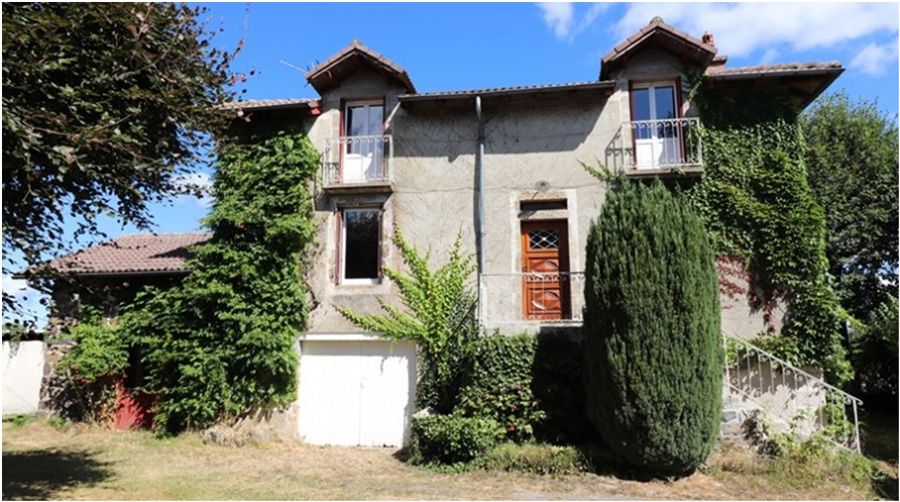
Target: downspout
x=479, y=208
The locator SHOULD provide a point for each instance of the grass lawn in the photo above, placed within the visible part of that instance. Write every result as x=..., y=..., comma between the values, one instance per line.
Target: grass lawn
x=83, y=462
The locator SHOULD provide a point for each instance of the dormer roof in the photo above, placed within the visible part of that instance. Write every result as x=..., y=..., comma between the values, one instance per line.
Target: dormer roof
x=328, y=74
x=658, y=34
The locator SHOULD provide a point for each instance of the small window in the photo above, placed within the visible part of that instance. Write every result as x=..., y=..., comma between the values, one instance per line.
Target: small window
x=361, y=235
x=542, y=205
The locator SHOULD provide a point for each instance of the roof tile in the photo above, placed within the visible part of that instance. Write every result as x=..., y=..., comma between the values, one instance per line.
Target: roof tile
x=129, y=254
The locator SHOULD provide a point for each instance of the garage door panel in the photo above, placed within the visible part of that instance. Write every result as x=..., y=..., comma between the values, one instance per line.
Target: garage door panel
x=387, y=396
x=356, y=392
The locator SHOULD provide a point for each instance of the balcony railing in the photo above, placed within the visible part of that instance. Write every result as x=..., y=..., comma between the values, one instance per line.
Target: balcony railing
x=531, y=298
x=357, y=161
x=660, y=145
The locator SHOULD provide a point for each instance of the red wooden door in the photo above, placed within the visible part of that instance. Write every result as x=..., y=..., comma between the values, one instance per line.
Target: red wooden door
x=545, y=264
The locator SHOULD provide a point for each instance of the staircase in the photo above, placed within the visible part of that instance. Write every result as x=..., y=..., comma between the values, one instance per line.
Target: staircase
x=790, y=399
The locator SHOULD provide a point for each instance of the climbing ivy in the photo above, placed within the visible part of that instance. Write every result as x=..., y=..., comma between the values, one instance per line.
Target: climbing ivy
x=223, y=343
x=760, y=210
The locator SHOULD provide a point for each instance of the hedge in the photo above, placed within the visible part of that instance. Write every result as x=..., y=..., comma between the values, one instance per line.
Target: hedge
x=451, y=439
x=531, y=385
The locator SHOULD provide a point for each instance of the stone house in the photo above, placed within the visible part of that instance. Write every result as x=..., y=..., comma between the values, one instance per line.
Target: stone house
x=502, y=169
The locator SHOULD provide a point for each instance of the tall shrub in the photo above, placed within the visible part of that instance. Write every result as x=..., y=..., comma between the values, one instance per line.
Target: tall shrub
x=439, y=316
x=652, y=345
x=223, y=343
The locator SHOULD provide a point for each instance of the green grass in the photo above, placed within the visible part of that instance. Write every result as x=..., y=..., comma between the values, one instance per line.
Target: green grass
x=12, y=422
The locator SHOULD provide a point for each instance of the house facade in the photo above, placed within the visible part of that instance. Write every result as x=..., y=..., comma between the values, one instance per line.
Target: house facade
x=503, y=170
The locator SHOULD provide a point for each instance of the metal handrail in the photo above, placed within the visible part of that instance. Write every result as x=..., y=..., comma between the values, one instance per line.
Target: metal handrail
x=847, y=397
x=816, y=382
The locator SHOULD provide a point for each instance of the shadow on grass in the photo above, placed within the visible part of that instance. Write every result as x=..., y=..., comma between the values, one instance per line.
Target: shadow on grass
x=42, y=474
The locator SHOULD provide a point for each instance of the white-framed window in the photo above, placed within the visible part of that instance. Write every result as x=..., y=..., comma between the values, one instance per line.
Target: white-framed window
x=363, y=155
x=656, y=131
x=360, y=249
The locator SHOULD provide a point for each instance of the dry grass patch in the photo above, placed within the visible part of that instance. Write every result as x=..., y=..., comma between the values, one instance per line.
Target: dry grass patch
x=82, y=462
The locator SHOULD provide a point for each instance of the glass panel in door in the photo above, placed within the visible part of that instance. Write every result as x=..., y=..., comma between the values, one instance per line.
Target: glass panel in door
x=656, y=132
x=363, y=155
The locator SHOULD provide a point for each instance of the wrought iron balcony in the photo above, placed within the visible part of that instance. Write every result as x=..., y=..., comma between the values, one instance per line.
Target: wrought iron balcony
x=357, y=162
x=531, y=298
x=649, y=147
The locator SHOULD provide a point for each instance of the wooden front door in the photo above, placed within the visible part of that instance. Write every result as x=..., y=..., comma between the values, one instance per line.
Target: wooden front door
x=545, y=267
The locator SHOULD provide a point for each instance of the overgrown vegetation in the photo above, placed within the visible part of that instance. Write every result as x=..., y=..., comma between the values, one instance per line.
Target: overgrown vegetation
x=875, y=355
x=92, y=368
x=756, y=202
x=105, y=108
x=439, y=317
x=797, y=466
x=543, y=459
x=222, y=344
x=531, y=385
x=452, y=439
x=652, y=341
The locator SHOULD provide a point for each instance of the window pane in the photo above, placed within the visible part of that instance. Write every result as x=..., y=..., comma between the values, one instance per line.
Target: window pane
x=640, y=104
x=361, y=229
x=356, y=121
x=376, y=119
x=665, y=102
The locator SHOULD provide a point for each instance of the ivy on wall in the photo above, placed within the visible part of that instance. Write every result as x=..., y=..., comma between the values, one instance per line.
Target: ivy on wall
x=224, y=342
x=760, y=210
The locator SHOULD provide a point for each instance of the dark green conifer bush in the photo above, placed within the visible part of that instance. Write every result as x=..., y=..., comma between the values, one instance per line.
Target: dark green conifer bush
x=652, y=342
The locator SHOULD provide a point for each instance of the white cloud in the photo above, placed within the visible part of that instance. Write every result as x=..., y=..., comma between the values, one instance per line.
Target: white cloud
x=874, y=58
x=566, y=24
x=558, y=16
x=741, y=29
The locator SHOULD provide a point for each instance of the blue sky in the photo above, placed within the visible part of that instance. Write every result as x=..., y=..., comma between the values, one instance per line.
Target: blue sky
x=457, y=46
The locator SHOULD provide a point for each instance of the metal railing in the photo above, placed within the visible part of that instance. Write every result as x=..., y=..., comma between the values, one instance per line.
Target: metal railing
x=661, y=144
x=356, y=160
x=528, y=298
x=794, y=397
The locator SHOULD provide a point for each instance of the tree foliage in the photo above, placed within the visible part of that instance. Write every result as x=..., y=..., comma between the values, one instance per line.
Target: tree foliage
x=757, y=203
x=875, y=353
x=852, y=168
x=652, y=345
x=104, y=107
x=439, y=317
x=224, y=343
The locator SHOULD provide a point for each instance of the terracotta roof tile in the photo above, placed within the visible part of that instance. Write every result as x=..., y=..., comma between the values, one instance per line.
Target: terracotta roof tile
x=129, y=254
x=356, y=48
x=254, y=104
x=773, y=69
x=656, y=24
x=508, y=90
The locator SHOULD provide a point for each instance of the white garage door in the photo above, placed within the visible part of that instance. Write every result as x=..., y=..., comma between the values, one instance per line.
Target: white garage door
x=356, y=392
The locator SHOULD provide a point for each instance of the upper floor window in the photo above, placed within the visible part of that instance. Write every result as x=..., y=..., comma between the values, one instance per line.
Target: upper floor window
x=363, y=140
x=656, y=131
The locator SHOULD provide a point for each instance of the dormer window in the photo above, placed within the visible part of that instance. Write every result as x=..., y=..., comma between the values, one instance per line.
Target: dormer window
x=656, y=128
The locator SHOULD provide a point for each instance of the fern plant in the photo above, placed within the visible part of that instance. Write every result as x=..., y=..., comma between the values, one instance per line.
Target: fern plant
x=439, y=316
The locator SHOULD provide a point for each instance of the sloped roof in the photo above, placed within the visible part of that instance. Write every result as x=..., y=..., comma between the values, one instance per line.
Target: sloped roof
x=263, y=104
x=773, y=70
x=128, y=254
x=803, y=81
x=509, y=90
x=329, y=73
x=659, y=33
